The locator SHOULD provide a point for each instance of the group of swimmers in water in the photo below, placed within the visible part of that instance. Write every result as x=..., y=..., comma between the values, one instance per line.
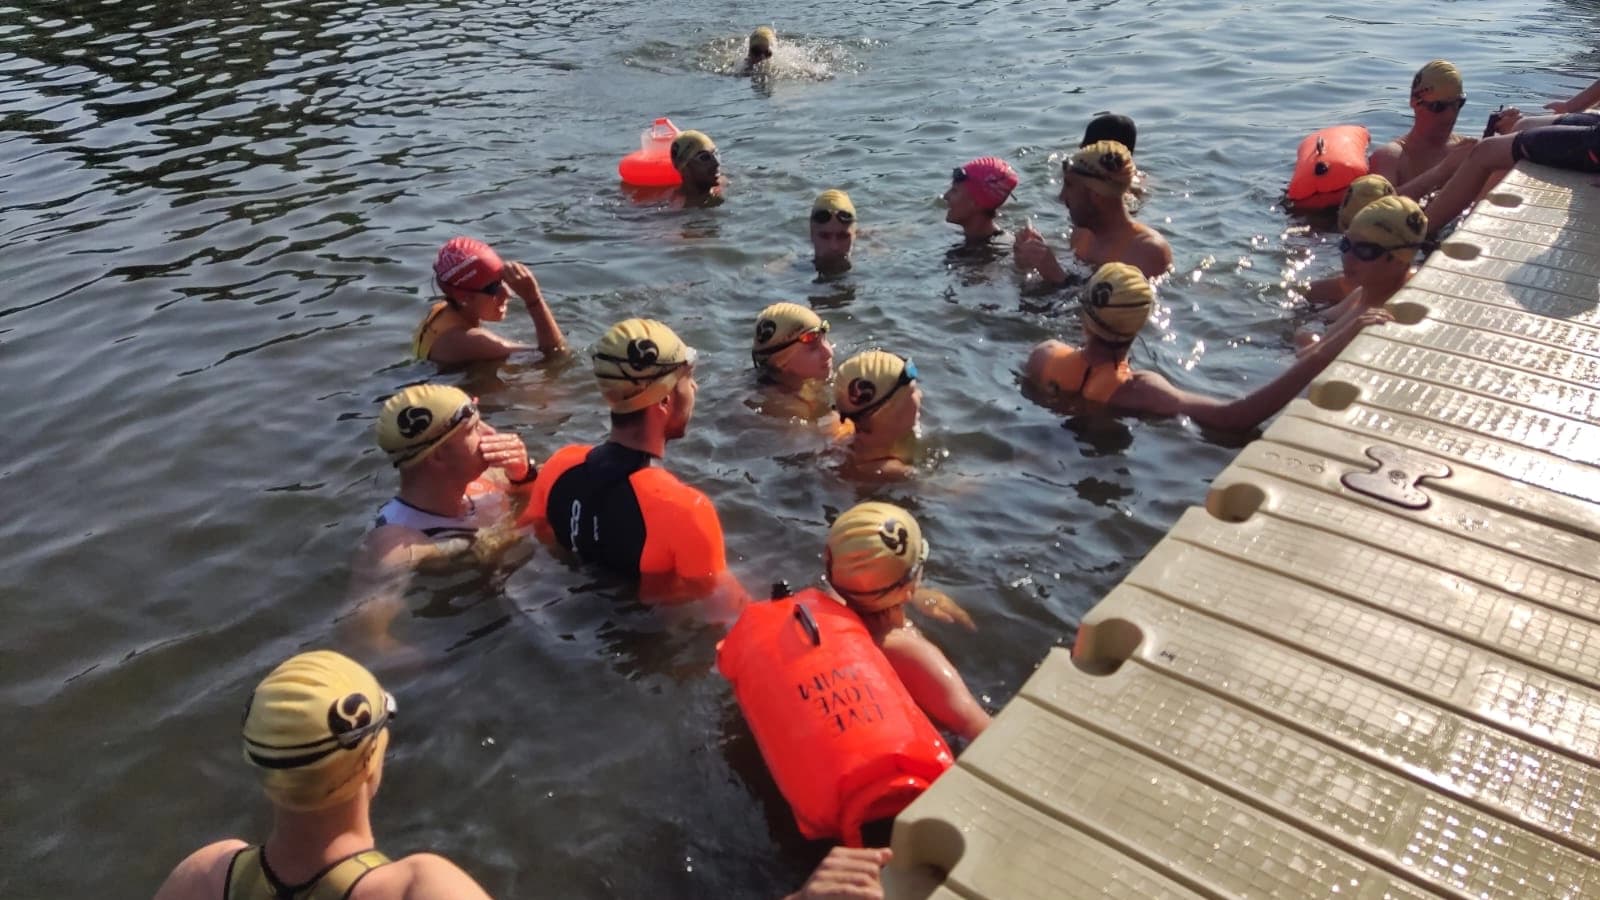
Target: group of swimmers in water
x=316, y=727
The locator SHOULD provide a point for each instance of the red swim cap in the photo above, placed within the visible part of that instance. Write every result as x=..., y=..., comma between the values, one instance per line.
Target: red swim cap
x=990, y=180
x=465, y=262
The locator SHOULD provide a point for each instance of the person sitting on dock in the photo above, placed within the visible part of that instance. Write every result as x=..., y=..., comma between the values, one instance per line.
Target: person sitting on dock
x=476, y=287
x=874, y=561
x=1574, y=146
x=1094, y=185
x=1417, y=162
x=1113, y=307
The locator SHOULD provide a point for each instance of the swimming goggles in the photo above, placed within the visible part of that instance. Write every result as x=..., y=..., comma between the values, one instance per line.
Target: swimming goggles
x=907, y=375
x=1367, y=251
x=1439, y=106
x=959, y=175
x=464, y=412
x=808, y=337
x=321, y=749
x=661, y=368
x=910, y=576
x=821, y=216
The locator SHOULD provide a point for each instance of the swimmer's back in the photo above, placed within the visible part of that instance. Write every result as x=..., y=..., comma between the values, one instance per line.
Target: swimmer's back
x=420, y=876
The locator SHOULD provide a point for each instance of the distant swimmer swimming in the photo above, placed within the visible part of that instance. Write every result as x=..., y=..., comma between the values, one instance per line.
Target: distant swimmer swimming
x=697, y=161
x=793, y=360
x=476, y=286
x=761, y=43
x=1094, y=184
x=1113, y=308
x=874, y=559
x=976, y=193
x=612, y=505
x=877, y=392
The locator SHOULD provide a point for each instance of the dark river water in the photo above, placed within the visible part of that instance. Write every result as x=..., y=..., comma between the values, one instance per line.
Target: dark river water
x=218, y=220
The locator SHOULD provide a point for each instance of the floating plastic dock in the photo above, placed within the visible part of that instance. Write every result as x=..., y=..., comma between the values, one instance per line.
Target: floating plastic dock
x=1369, y=666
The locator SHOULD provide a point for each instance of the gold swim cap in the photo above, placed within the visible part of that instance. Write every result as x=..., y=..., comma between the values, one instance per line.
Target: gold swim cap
x=1362, y=191
x=1116, y=303
x=834, y=201
x=779, y=326
x=762, y=39
x=315, y=727
x=686, y=145
x=418, y=419
x=1106, y=166
x=1438, y=80
x=1394, y=223
x=637, y=362
x=867, y=380
x=873, y=549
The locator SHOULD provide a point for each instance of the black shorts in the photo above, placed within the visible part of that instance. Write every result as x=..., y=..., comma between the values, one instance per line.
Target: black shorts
x=1563, y=146
x=1583, y=118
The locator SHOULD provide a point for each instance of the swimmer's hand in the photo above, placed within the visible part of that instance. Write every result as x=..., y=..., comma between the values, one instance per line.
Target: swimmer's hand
x=1372, y=317
x=1506, y=120
x=936, y=604
x=521, y=281
x=1560, y=107
x=847, y=873
x=506, y=451
x=1029, y=251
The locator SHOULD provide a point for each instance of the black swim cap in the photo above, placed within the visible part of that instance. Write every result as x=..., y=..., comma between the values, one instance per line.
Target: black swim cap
x=1111, y=127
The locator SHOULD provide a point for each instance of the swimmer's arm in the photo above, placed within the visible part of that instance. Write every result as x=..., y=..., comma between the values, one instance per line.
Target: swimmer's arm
x=1433, y=179
x=203, y=875
x=1385, y=161
x=1327, y=290
x=520, y=278
x=935, y=684
x=1581, y=101
x=378, y=580
x=472, y=345
x=1149, y=392
x=1151, y=254
x=1030, y=251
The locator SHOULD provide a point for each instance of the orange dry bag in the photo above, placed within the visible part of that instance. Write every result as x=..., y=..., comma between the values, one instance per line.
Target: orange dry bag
x=651, y=164
x=840, y=734
x=1328, y=160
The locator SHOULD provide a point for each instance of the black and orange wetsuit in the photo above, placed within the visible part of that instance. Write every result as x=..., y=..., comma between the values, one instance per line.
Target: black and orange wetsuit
x=611, y=507
x=250, y=878
x=442, y=317
x=1072, y=374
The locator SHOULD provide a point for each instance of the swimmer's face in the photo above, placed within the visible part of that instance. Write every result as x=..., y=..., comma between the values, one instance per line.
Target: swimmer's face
x=1076, y=196
x=813, y=361
x=1440, y=114
x=961, y=206
x=702, y=168
x=833, y=240
x=489, y=303
x=460, y=455
x=680, y=406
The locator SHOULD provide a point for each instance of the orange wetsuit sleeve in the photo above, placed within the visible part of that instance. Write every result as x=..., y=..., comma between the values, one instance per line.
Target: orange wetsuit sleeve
x=680, y=521
x=556, y=466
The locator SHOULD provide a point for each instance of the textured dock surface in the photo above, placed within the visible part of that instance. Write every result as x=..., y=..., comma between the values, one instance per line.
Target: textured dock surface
x=1369, y=666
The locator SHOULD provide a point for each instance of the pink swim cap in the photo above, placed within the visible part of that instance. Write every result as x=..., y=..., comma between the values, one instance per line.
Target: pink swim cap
x=989, y=180
x=465, y=262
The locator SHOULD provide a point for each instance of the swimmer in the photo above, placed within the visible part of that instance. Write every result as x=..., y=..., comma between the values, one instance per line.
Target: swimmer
x=476, y=286
x=1111, y=127
x=611, y=505
x=1361, y=192
x=1114, y=306
x=833, y=231
x=1094, y=185
x=793, y=358
x=877, y=392
x=977, y=191
x=874, y=561
x=459, y=481
x=761, y=43
x=317, y=731
x=696, y=159
x=1419, y=161
x=1573, y=143
x=1378, y=248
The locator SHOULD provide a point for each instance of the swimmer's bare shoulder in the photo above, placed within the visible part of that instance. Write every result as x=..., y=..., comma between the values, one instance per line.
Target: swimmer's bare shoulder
x=1386, y=159
x=1150, y=251
x=1149, y=393
x=420, y=876
x=203, y=874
